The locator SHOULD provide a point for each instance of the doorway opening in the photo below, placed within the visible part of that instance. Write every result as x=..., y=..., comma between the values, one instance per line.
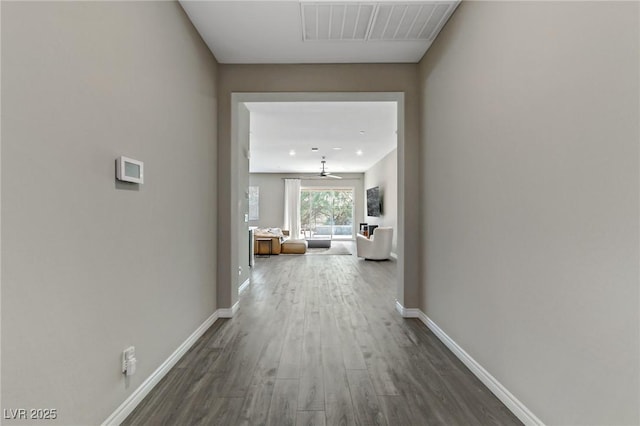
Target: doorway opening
x=344, y=208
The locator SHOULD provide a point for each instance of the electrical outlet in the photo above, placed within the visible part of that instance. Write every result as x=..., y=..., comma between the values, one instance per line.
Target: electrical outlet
x=239, y=270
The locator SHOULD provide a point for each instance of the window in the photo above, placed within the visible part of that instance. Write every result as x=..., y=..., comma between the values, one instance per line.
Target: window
x=327, y=213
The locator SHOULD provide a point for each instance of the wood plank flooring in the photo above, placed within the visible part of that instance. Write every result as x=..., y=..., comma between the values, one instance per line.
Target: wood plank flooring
x=317, y=341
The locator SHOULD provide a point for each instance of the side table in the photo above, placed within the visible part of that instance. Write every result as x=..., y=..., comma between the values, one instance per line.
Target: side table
x=260, y=241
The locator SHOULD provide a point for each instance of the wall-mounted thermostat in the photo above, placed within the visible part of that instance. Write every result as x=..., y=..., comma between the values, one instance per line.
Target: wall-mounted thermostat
x=129, y=170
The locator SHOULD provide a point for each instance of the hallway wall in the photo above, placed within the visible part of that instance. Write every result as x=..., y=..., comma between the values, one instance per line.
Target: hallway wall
x=91, y=266
x=531, y=182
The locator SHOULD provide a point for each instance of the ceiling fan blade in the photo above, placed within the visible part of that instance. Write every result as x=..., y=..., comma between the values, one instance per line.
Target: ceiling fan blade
x=324, y=173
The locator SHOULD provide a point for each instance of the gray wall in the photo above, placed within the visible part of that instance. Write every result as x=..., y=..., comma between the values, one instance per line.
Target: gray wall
x=91, y=267
x=530, y=134
x=322, y=78
x=272, y=194
x=385, y=175
x=271, y=203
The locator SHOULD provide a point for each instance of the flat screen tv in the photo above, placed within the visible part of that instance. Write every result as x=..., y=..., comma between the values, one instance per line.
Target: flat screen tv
x=374, y=202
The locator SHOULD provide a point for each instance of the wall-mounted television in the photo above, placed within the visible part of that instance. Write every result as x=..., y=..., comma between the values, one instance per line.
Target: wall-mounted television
x=374, y=202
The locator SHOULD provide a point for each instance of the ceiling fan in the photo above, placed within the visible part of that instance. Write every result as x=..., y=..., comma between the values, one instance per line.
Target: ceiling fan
x=324, y=173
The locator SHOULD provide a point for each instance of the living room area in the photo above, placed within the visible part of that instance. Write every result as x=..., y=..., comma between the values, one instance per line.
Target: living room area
x=320, y=173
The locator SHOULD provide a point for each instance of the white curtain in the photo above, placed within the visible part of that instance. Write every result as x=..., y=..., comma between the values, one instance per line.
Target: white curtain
x=292, y=207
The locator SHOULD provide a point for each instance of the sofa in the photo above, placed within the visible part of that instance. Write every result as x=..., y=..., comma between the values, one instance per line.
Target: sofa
x=277, y=237
x=281, y=243
x=378, y=246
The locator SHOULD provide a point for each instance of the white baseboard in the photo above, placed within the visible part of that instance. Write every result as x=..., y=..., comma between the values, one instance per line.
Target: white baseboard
x=229, y=312
x=503, y=394
x=129, y=404
x=244, y=285
x=407, y=312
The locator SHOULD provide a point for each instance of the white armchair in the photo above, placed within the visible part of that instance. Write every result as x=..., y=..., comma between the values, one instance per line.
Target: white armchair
x=378, y=247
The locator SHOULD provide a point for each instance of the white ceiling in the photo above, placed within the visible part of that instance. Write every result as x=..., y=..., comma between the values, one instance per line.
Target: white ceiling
x=319, y=31
x=294, y=31
x=279, y=127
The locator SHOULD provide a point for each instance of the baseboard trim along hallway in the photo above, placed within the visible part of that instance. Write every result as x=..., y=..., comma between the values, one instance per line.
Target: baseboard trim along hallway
x=129, y=404
x=229, y=312
x=502, y=393
x=244, y=285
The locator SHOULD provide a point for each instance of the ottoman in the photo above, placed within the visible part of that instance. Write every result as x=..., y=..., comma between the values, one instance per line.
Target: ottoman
x=319, y=242
x=294, y=247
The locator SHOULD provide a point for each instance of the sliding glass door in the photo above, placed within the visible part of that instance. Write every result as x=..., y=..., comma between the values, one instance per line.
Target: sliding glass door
x=327, y=213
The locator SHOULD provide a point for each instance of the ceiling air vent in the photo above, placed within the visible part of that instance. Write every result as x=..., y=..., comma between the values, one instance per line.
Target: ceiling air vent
x=374, y=21
x=336, y=21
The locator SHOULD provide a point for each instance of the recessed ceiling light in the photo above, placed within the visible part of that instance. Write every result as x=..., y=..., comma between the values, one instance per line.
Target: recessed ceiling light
x=362, y=132
x=359, y=152
x=314, y=149
x=337, y=148
x=292, y=153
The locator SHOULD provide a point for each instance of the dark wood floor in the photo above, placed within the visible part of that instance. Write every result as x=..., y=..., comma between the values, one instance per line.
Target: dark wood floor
x=317, y=341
